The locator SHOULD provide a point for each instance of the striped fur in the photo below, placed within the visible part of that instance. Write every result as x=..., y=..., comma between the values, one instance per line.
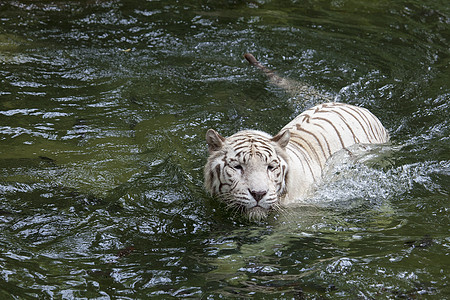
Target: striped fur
x=254, y=172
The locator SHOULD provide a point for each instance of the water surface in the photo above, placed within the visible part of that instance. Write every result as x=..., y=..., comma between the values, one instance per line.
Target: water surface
x=103, y=110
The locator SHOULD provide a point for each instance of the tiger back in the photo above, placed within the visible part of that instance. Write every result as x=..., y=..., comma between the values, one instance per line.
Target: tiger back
x=318, y=133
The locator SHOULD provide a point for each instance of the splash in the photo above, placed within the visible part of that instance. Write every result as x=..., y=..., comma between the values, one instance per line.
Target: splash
x=366, y=178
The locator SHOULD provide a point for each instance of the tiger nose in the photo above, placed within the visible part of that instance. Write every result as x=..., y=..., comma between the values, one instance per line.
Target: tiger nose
x=257, y=195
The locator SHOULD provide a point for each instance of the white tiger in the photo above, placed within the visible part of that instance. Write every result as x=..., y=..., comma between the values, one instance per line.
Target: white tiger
x=255, y=172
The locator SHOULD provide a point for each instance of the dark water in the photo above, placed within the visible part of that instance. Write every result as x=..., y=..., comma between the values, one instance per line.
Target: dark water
x=103, y=110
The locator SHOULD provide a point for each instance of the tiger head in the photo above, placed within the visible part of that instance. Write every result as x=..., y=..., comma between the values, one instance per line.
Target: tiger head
x=247, y=170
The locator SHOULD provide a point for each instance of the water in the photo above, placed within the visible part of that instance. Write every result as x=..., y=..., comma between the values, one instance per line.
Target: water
x=104, y=106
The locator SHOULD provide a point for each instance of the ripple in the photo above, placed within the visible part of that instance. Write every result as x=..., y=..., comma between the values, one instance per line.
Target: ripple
x=102, y=149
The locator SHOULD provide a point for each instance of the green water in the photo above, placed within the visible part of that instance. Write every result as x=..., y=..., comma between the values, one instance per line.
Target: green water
x=103, y=110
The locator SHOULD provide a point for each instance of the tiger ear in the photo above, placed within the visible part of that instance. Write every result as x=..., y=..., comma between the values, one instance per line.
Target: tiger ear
x=214, y=140
x=282, y=138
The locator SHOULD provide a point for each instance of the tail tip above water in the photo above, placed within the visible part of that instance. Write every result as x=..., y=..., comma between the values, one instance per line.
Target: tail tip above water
x=250, y=58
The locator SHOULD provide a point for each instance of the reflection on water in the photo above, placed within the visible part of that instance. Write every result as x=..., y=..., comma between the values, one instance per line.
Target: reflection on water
x=103, y=110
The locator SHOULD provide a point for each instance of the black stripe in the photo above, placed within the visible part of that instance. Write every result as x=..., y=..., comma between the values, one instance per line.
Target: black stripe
x=305, y=157
x=334, y=127
x=324, y=138
x=355, y=138
x=364, y=118
x=299, y=128
x=294, y=136
x=376, y=125
x=371, y=121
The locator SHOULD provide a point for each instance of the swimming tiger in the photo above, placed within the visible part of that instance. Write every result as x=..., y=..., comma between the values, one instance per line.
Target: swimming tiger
x=255, y=172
